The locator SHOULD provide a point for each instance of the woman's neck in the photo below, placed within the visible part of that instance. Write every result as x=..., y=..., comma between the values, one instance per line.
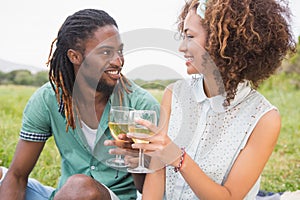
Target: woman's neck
x=213, y=86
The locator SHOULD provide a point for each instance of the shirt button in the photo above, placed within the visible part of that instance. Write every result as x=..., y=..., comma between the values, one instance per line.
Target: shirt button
x=93, y=167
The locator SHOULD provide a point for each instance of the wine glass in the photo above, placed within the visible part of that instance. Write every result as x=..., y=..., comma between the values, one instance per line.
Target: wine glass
x=118, y=124
x=138, y=130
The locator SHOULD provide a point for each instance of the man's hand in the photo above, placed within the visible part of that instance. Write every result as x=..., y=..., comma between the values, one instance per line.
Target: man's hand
x=124, y=147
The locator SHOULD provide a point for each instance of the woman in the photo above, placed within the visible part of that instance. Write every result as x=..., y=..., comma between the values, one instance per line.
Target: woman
x=220, y=128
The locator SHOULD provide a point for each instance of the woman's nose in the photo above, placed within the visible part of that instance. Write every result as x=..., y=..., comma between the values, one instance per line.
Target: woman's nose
x=182, y=46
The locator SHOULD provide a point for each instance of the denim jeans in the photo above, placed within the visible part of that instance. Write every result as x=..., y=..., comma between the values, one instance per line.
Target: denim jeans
x=34, y=190
x=37, y=191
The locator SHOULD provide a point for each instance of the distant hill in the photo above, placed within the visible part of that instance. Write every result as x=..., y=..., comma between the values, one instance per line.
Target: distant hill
x=146, y=72
x=7, y=66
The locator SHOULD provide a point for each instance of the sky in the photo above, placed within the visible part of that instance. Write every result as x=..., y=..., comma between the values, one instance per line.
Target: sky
x=28, y=27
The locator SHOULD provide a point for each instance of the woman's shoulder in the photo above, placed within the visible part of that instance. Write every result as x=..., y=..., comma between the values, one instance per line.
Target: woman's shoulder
x=259, y=100
x=187, y=83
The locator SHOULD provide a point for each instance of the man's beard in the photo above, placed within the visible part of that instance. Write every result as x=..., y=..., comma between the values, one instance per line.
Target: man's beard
x=104, y=87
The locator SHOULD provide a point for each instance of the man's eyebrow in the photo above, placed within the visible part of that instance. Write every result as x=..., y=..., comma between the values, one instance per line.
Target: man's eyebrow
x=109, y=47
x=105, y=47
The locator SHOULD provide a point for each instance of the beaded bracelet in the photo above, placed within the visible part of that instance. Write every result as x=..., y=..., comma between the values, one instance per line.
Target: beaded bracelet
x=177, y=169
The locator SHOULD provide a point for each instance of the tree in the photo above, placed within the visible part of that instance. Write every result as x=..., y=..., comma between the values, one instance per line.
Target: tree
x=40, y=78
x=2, y=77
x=23, y=77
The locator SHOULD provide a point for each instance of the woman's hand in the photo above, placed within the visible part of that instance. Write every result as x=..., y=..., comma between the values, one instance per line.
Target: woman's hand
x=160, y=147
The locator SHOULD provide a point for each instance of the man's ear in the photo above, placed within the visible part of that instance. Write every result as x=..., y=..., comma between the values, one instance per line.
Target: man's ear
x=74, y=56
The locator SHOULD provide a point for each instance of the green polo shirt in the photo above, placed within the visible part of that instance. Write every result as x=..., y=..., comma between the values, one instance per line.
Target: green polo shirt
x=43, y=117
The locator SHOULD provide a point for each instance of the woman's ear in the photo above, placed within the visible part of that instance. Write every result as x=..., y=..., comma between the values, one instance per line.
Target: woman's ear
x=74, y=56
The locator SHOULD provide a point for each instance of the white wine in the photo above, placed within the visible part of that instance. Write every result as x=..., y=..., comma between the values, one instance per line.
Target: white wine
x=117, y=129
x=140, y=132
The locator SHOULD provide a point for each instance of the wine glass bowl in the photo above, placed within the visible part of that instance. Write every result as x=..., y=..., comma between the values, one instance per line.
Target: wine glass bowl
x=141, y=133
x=118, y=124
x=138, y=130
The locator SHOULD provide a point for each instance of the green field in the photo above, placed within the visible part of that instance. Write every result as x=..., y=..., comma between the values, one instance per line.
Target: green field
x=282, y=172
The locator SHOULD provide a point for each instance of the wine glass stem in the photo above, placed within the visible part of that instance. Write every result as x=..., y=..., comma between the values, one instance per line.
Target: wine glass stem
x=141, y=158
x=118, y=158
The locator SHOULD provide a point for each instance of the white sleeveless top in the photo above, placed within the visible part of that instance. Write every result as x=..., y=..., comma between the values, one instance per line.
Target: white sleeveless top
x=212, y=136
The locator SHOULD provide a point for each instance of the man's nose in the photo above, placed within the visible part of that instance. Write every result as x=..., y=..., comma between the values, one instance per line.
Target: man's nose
x=117, y=60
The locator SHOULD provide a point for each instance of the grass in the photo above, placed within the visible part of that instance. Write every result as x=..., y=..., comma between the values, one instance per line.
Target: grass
x=282, y=172
x=12, y=102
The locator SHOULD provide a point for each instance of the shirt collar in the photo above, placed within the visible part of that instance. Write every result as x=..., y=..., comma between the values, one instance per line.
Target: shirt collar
x=216, y=102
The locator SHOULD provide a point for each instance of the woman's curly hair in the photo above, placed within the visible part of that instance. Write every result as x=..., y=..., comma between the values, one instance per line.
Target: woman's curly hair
x=247, y=39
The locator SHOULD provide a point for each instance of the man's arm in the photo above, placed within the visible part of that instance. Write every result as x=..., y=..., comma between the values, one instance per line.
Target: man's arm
x=139, y=181
x=14, y=184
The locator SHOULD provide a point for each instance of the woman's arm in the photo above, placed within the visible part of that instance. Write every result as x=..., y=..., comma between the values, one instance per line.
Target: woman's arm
x=244, y=173
x=154, y=185
x=246, y=169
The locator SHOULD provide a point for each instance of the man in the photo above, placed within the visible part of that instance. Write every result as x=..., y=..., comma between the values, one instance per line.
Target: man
x=85, y=69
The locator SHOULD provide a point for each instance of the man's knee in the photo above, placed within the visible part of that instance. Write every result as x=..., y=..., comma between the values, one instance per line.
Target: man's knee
x=80, y=186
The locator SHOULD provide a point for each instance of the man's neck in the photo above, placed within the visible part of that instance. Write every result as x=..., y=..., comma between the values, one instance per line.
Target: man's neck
x=91, y=109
